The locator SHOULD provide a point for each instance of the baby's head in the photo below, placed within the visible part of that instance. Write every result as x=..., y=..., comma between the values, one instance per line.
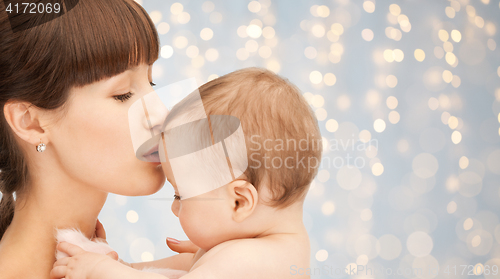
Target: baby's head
x=283, y=151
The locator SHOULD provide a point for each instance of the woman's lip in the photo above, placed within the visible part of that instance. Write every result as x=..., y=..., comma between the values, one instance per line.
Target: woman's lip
x=152, y=155
x=152, y=150
x=152, y=158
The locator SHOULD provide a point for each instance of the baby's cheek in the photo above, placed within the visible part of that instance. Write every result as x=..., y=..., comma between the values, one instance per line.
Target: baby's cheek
x=187, y=223
x=175, y=208
x=195, y=229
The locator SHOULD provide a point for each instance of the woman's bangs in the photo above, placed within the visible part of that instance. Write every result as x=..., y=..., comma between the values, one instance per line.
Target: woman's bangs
x=117, y=36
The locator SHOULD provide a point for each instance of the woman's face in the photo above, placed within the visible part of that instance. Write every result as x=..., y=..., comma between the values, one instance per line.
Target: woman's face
x=91, y=140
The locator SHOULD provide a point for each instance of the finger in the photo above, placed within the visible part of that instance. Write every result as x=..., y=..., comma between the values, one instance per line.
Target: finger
x=181, y=246
x=63, y=261
x=99, y=230
x=58, y=272
x=69, y=248
x=113, y=255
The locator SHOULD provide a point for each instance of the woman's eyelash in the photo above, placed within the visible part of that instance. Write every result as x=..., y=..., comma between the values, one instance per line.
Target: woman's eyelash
x=177, y=197
x=124, y=97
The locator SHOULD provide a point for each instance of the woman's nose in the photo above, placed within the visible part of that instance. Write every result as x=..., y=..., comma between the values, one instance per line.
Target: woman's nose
x=155, y=113
x=157, y=116
x=157, y=129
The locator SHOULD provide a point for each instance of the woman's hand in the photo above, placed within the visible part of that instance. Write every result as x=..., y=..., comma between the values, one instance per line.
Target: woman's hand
x=81, y=264
x=181, y=246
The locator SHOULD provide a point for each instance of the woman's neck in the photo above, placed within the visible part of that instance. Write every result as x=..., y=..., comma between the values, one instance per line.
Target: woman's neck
x=29, y=242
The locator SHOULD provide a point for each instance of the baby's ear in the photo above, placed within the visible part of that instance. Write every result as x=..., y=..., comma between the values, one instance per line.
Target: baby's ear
x=243, y=198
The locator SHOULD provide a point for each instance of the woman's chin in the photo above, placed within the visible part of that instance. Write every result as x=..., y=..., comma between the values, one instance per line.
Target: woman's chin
x=146, y=188
x=154, y=188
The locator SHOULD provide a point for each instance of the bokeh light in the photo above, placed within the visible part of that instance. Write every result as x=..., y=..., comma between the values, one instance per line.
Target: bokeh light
x=407, y=98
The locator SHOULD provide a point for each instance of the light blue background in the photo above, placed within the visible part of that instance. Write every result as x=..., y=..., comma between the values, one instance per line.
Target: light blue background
x=400, y=203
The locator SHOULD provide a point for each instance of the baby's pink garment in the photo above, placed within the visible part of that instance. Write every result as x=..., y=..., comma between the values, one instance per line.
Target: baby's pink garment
x=75, y=237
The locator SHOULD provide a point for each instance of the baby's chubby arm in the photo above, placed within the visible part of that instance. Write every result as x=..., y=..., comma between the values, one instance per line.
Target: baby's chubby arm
x=240, y=259
x=81, y=265
x=181, y=261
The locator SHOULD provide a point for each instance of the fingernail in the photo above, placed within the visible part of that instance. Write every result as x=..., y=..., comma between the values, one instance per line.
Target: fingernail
x=173, y=240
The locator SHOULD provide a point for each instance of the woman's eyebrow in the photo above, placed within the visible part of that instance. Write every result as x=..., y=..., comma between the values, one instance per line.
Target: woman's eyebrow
x=119, y=83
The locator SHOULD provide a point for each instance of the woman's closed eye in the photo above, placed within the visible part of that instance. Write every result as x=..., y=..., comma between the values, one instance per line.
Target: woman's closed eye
x=122, y=98
x=177, y=197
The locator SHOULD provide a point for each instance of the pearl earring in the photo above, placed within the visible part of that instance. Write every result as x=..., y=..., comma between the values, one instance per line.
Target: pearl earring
x=41, y=147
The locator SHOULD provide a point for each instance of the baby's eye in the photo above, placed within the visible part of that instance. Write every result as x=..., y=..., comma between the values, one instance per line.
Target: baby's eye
x=177, y=197
x=152, y=83
x=124, y=97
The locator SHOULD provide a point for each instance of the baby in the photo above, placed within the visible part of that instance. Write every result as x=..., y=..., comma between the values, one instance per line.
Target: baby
x=250, y=227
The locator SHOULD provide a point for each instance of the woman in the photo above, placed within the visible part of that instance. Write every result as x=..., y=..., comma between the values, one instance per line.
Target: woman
x=65, y=89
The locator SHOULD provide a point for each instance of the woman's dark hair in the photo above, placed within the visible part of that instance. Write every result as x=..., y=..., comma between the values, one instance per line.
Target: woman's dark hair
x=39, y=63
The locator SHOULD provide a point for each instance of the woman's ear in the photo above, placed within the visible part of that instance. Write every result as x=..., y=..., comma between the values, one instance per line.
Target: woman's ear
x=243, y=198
x=23, y=119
